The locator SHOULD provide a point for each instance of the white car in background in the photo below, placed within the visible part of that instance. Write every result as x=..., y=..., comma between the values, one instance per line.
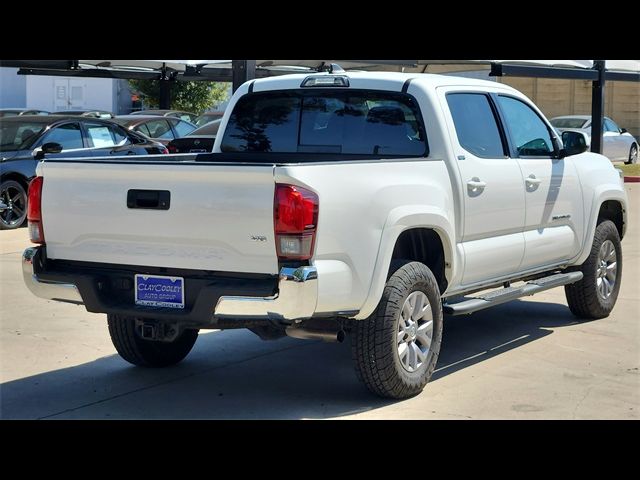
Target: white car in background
x=619, y=145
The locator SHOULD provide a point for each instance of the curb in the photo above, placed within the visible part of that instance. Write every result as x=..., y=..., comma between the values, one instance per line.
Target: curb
x=632, y=179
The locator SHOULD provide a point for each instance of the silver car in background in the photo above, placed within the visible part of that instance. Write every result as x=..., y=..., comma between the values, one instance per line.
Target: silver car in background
x=618, y=144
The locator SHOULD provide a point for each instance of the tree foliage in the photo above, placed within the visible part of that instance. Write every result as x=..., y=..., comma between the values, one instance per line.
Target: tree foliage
x=194, y=97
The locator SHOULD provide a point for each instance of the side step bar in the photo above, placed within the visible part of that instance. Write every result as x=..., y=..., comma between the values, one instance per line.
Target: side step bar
x=504, y=295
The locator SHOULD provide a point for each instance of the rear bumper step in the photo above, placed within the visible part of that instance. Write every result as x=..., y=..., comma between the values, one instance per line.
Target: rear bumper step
x=503, y=295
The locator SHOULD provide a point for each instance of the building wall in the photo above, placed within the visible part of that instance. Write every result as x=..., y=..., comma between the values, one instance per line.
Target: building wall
x=98, y=93
x=573, y=97
x=13, y=88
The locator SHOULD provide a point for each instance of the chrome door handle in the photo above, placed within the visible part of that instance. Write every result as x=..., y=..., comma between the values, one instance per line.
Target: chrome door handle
x=532, y=180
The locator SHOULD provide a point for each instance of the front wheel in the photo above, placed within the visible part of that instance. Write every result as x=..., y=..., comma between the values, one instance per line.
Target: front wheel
x=395, y=350
x=633, y=155
x=595, y=295
x=147, y=353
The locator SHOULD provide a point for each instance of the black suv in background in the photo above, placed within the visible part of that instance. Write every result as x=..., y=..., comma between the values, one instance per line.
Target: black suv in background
x=26, y=139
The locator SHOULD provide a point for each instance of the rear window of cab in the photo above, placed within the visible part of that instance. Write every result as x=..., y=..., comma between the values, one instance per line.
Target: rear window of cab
x=330, y=121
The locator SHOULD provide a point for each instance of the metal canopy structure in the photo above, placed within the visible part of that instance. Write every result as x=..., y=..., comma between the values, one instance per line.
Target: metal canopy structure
x=239, y=71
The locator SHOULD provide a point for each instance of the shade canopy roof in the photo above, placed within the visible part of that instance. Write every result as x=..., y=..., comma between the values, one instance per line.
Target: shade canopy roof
x=222, y=68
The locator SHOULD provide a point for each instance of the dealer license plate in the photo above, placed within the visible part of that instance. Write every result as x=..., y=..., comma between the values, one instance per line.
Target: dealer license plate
x=157, y=291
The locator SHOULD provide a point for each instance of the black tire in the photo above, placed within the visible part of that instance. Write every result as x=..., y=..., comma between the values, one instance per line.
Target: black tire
x=14, y=196
x=147, y=353
x=374, y=340
x=583, y=297
x=633, y=155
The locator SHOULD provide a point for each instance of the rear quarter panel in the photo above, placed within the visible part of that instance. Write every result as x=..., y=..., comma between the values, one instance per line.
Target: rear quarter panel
x=363, y=209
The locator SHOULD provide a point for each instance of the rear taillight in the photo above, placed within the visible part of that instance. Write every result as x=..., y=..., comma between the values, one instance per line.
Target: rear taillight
x=295, y=216
x=34, y=210
x=171, y=149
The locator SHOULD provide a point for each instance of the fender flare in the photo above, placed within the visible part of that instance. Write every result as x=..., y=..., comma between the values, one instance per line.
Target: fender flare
x=399, y=220
x=601, y=194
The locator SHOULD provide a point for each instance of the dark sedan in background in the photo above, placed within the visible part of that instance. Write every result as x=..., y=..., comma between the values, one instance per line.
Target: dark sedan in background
x=26, y=140
x=160, y=129
x=187, y=116
x=201, y=140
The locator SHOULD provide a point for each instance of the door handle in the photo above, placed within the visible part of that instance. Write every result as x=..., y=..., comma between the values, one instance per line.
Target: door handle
x=532, y=180
x=476, y=184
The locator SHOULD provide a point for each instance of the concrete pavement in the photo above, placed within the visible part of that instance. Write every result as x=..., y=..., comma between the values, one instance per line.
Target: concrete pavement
x=529, y=359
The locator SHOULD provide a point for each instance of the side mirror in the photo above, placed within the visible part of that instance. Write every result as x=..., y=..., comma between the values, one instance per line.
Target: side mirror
x=51, y=147
x=574, y=143
x=623, y=130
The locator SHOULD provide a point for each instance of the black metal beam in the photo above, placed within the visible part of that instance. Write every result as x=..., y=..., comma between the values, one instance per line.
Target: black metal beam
x=166, y=79
x=164, y=102
x=37, y=64
x=97, y=73
x=508, y=70
x=622, y=76
x=597, y=106
x=218, y=74
x=242, y=71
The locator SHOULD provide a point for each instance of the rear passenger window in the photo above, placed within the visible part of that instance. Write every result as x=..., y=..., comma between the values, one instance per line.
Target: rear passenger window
x=103, y=136
x=159, y=129
x=475, y=124
x=529, y=133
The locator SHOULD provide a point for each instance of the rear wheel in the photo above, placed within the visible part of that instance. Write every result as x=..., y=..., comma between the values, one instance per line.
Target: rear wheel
x=147, y=353
x=13, y=205
x=633, y=155
x=396, y=349
x=595, y=295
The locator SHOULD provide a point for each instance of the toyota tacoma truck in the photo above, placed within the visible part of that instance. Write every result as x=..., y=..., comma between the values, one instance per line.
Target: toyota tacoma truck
x=367, y=204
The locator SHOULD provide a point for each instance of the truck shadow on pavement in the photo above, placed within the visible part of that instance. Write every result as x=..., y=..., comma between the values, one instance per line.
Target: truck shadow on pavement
x=233, y=374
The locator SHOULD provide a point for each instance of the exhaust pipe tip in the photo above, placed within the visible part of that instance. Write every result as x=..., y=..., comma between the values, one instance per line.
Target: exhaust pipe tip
x=308, y=334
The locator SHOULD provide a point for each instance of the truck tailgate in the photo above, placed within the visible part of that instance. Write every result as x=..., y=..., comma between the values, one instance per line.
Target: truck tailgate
x=220, y=217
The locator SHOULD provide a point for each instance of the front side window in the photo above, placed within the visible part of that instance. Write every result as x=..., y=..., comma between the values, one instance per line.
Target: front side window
x=528, y=132
x=69, y=136
x=476, y=124
x=349, y=122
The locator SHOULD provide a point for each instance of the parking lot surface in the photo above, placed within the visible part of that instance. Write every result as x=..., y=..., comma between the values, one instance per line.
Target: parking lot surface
x=528, y=359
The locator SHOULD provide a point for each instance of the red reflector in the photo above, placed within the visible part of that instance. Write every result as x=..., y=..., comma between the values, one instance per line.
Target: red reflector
x=34, y=210
x=295, y=219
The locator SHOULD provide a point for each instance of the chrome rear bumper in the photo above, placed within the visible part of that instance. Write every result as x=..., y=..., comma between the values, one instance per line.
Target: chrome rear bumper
x=63, y=292
x=296, y=298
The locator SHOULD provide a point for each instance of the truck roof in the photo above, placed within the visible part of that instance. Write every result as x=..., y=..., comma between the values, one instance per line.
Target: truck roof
x=375, y=80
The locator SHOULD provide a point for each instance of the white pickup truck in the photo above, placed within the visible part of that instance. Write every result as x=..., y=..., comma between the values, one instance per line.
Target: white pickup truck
x=365, y=203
